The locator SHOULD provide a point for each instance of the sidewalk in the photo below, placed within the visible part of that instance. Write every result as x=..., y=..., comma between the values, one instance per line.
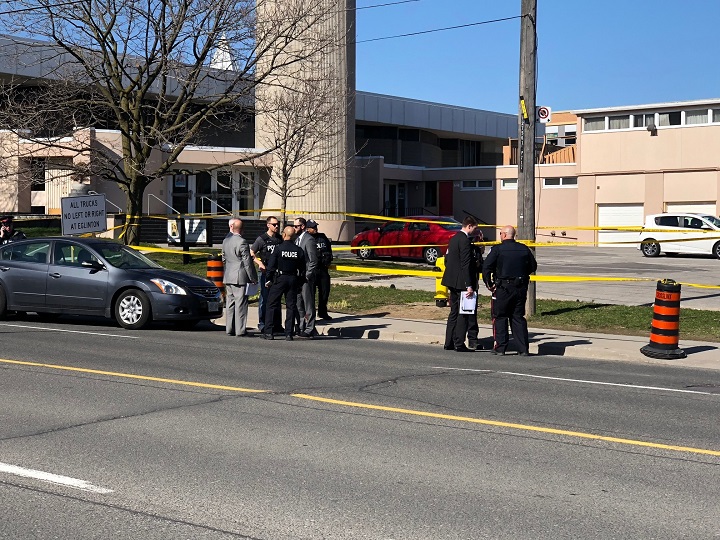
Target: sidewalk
x=542, y=341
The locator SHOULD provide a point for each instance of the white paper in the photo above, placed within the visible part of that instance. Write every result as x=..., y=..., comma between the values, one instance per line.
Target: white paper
x=468, y=304
x=251, y=289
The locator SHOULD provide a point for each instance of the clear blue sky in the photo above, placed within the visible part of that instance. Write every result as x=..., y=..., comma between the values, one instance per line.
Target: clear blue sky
x=591, y=53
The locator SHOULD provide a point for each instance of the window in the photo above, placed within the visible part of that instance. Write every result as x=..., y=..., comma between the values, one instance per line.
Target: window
x=643, y=120
x=35, y=252
x=414, y=226
x=716, y=115
x=619, y=122
x=477, y=185
x=669, y=118
x=595, y=124
x=565, y=182
x=68, y=254
x=508, y=183
x=699, y=116
x=667, y=221
x=395, y=226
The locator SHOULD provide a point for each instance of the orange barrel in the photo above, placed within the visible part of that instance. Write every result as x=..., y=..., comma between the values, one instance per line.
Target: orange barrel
x=215, y=271
x=665, y=331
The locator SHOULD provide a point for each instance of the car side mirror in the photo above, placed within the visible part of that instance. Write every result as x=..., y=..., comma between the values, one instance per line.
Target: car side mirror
x=95, y=265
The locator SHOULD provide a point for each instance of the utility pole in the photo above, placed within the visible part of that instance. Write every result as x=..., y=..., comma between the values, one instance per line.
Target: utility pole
x=526, y=129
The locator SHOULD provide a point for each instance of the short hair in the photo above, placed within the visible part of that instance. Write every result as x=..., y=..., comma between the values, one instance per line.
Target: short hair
x=469, y=220
x=301, y=220
x=271, y=217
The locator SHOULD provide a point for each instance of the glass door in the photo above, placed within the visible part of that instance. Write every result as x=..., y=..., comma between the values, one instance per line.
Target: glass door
x=223, y=192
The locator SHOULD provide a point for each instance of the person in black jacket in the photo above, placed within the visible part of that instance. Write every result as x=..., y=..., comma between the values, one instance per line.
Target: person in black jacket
x=284, y=272
x=322, y=278
x=477, y=261
x=261, y=250
x=7, y=231
x=506, y=272
x=458, y=278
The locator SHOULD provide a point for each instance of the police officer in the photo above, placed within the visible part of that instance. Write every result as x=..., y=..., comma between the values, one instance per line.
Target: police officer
x=506, y=272
x=261, y=250
x=322, y=277
x=283, y=272
x=7, y=231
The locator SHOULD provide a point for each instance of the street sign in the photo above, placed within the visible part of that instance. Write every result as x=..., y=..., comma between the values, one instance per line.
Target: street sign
x=543, y=114
x=85, y=214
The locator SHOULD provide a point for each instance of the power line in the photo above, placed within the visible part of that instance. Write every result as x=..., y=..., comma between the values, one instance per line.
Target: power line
x=440, y=29
x=21, y=10
x=388, y=4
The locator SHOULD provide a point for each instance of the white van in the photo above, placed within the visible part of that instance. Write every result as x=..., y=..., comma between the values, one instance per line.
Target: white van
x=681, y=233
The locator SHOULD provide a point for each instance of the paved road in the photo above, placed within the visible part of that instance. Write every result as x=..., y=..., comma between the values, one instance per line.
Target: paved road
x=612, y=262
x=352, y=439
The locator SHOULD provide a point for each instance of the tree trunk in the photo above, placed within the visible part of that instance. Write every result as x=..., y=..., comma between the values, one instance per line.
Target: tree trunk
x=131, y=232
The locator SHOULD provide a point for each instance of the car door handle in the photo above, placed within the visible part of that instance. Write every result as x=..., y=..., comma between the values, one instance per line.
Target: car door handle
x=55, y=275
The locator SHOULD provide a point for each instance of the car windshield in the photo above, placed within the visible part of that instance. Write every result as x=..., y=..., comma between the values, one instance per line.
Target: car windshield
x=712, y=219
x=121, y=256
x=451, y=226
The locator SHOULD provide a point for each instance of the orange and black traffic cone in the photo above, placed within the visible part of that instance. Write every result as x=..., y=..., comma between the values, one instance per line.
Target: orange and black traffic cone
x=665, y=330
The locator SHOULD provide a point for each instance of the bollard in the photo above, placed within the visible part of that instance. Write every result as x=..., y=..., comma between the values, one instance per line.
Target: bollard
x=215, y=272
x=441, y=292
x=665, y=331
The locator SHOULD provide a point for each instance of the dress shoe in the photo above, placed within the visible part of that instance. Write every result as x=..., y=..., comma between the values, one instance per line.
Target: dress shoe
x=303, y=336
x=462, y=348
x=526, y=353
x=288, y=338
x=325, y=317
x=500, y=352
x=472, y=344
x=449, y=348
x=268, y=336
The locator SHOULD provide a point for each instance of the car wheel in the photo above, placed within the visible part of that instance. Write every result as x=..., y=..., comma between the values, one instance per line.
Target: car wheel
x=365, y=253
x=716, y=250
x=132, y=309
x=3, y=304
x=431, y=255
x=650, y=248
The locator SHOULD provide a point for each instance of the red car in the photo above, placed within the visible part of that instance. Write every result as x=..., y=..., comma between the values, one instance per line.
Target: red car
x=434, y=236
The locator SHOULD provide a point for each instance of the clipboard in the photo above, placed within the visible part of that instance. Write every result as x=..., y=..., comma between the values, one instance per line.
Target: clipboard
x=468, y=305
x=251, y=289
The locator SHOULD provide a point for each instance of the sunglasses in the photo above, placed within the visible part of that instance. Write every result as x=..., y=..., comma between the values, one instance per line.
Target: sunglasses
x=274, y=224
x=297, y=226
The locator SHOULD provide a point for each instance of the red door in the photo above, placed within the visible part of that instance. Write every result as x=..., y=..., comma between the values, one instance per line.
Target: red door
x=445, y=206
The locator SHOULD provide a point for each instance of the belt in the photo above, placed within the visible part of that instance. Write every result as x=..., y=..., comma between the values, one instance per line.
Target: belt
x=287, y=273
x=512, y=280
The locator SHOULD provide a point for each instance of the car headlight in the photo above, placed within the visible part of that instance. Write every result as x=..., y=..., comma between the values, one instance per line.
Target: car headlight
x=168, y=287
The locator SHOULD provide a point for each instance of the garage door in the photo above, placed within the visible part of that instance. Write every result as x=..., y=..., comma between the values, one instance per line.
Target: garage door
x=693, y=208
x=619, y=215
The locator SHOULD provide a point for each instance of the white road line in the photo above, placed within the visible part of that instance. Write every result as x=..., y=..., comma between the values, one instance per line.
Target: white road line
x=601, y=383
x=70, y=331
x=52, y=478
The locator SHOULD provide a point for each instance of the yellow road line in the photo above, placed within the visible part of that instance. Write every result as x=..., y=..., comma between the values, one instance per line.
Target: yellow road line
x=512, y=425
x=132, y=376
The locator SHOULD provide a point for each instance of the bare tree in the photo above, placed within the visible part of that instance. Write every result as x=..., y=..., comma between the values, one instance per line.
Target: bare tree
x=144, y=69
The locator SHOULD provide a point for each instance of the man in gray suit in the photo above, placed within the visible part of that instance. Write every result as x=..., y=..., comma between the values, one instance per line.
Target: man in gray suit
x=239, y=271
x=306, y=297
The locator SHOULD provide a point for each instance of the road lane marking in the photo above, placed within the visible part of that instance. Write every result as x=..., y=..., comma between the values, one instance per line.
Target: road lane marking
x=68, y=331
x=496, y=423
x=133, y=376
x=43, y=476
x=601, y=383
x=510, y=425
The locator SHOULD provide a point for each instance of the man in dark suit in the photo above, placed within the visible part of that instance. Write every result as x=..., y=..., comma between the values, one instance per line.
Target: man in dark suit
x=306, y=296
x=239, y=271
x=459, y=278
